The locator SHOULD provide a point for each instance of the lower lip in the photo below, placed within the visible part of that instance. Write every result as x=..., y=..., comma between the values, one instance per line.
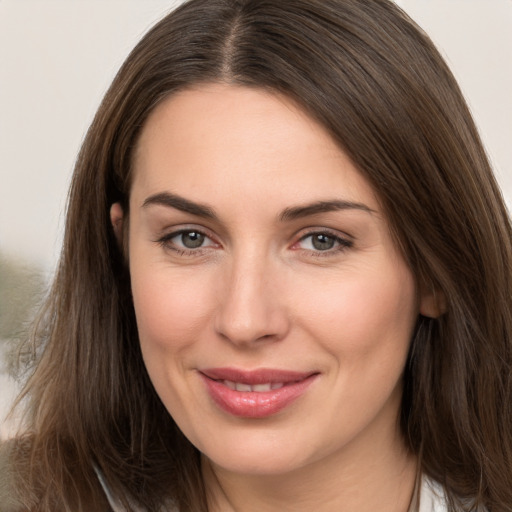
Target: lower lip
x=252, y=404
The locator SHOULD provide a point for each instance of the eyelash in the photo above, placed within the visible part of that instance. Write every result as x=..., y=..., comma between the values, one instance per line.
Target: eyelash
x=342, y=243
x=165, y=242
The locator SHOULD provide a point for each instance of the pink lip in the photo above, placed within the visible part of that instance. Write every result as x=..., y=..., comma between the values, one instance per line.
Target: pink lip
x=255, y=404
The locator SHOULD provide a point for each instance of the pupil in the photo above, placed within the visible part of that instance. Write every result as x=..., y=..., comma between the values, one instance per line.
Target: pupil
x=323, y=242
x=192, y=239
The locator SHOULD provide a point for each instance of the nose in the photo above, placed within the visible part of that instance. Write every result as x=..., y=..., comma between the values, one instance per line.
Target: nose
x=251, y=306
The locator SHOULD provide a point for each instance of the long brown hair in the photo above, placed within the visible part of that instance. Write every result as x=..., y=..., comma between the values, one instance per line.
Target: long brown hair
x=378, y=85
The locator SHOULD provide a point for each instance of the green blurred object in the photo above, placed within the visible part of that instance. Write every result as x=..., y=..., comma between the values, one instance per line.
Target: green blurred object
x=21, y=289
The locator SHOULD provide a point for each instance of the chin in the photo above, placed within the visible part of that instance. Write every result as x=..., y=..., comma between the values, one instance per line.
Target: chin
x=260, y=454
x=262, y=464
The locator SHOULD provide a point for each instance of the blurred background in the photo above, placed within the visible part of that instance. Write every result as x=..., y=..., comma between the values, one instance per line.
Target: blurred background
x=57, y=58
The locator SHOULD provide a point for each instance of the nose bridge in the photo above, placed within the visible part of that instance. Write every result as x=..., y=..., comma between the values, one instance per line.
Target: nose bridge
x=250, y=307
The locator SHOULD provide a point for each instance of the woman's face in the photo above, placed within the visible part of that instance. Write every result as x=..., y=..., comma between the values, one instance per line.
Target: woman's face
x=274, y=310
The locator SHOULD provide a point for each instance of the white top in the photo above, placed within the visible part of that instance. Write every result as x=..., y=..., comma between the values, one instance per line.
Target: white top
x=432, y=497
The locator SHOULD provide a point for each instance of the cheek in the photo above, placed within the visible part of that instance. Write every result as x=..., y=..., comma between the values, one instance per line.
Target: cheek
x=364, y=313
x=170, y=309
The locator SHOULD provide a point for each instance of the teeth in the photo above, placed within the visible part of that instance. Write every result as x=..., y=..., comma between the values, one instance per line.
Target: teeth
x=258, y=388
x=261, y=387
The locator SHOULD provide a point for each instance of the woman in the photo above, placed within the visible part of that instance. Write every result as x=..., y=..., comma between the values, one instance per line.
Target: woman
x=285, y=281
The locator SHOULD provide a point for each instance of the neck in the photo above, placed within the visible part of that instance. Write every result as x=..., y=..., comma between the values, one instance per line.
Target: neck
x=376, y=476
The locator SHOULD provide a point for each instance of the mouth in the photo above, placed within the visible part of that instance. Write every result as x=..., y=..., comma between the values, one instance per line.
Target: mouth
x=257, y=388
x=256, y=393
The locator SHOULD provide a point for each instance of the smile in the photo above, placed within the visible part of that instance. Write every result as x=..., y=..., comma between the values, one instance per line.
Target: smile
x=255, y=394
x=257, y=388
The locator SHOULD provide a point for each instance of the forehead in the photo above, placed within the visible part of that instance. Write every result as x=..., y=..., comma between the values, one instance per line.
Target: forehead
x=250, y=140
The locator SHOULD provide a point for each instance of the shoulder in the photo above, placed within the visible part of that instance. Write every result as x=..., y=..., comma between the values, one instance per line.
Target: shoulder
x=433, y=498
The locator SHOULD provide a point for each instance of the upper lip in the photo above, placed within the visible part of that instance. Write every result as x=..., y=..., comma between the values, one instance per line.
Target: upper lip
x=258, y=376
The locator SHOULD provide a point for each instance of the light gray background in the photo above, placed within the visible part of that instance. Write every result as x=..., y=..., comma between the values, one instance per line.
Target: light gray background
x=57, y=57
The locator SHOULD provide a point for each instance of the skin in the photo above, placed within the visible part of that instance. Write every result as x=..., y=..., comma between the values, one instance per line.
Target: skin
x=257, y=293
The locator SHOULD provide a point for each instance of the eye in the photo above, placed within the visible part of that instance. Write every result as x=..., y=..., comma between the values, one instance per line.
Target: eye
x=322, y=241
x=186, y=240
x=189, y=239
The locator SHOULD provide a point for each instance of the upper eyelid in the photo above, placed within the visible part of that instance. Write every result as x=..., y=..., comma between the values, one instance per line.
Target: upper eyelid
x=171, y=232
x=336, y=233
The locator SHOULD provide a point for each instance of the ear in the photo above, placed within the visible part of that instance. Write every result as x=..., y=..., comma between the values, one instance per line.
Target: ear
x=432, y=303
x=116, y=219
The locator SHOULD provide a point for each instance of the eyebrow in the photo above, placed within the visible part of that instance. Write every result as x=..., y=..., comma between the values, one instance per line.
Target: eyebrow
x=288, y=214
x=180, y=203
x=298, y=212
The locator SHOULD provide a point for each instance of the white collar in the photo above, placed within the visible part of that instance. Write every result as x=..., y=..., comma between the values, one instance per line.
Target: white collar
x=432, y=497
